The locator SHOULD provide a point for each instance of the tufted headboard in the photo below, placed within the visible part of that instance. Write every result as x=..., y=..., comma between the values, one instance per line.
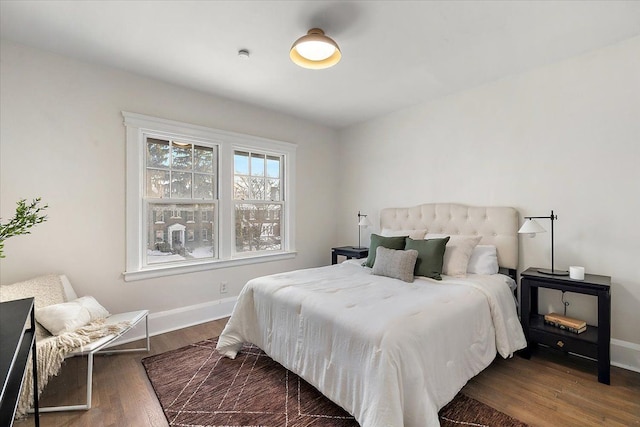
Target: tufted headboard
x=498, y=226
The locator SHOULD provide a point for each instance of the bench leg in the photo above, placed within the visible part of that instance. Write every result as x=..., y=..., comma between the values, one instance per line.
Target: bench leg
x=87, y=405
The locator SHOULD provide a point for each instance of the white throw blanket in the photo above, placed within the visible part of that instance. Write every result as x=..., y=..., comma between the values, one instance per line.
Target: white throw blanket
x=391, y=353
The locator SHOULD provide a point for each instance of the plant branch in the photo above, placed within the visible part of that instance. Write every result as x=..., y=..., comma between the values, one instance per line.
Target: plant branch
x=27, y=216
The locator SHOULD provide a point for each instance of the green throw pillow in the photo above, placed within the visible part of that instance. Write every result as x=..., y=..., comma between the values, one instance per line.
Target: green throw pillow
x=386, y=242
x=430, y=256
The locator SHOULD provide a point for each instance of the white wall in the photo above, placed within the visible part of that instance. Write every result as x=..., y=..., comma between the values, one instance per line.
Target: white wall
x=63, y=139
x=563, y=137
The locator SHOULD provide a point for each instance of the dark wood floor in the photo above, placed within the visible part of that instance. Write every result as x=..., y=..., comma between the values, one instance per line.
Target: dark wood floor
x=548, y=390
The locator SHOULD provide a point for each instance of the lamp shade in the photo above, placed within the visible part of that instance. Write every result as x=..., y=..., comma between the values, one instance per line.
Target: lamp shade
x=364, y=221
x=315, y=50
x=531, y=227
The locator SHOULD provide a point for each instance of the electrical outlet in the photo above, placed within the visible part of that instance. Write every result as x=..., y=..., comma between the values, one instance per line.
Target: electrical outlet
x=223, y=287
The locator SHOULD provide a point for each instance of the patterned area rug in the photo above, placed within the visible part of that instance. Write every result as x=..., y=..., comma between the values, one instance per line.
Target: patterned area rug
x=198, y=387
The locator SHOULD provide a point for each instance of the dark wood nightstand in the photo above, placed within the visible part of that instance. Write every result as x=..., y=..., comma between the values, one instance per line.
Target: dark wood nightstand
x=593, y=343
x=349, y=252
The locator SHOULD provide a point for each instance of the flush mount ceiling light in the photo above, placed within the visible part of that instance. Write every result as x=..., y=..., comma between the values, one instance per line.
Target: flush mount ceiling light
x=315, y=51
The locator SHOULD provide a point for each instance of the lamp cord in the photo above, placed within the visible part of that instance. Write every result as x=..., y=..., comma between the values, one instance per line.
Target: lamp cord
x=564, y=303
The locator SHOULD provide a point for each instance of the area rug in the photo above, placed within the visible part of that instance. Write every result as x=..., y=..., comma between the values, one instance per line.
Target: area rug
x=198, y=387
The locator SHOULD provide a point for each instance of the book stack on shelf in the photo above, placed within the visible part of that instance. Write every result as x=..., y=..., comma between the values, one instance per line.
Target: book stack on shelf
x=570, y=324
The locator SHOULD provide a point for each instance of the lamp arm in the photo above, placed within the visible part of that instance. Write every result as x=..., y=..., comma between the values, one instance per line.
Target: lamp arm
x=551, y=217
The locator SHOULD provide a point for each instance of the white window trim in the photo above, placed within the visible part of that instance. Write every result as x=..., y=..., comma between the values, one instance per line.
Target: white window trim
x=136, y=126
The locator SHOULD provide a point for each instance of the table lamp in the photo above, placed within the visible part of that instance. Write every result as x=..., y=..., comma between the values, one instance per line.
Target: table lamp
x=531, y=227
x=362, y=222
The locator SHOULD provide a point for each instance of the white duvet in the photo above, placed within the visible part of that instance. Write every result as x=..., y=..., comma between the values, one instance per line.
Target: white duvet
x=391, y=353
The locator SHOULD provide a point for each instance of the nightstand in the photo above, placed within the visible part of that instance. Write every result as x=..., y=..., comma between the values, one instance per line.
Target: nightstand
x=593, y=343
x=349, y=252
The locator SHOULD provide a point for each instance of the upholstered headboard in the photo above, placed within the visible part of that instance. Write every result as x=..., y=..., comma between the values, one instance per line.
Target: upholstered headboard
x=498, y=226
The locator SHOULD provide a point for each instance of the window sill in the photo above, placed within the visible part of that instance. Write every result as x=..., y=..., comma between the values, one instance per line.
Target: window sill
x=170, y=270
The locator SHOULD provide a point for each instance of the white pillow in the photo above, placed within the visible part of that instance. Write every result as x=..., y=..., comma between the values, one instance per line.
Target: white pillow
x=414, y=234
x=64, y=317
x=95, y=309
x=457, y=253
x=484, y=260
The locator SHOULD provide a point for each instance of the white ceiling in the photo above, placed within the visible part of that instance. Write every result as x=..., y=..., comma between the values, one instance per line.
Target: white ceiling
x=395, y=53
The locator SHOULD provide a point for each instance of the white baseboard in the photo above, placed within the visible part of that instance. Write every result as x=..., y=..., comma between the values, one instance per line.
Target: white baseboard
x=179, y=318
x=625, y=355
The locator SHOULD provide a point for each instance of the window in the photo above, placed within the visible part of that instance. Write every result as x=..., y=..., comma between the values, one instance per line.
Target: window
x=180, y=178
x=200, y=198
x=257, y=184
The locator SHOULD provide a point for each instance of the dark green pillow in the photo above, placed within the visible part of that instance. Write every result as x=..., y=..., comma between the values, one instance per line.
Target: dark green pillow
x=386, y=242
x=430, y=256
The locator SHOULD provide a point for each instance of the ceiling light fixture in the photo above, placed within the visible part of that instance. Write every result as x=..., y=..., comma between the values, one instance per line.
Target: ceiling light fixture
x=315, y=51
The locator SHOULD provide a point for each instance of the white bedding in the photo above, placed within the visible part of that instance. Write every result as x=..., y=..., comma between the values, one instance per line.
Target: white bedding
x=391, y=353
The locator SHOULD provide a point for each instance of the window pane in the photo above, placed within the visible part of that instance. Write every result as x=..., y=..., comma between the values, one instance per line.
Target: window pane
x=157, y=153
x=241, y=163
x=241, y=188
x=273, y=167
x=157, y=183
x=181, y=185
x=203, y=159
x=157, y=216
x=257, y=189
x=273, y=190
x=257, y=165
x=202, y=186
x=258, y=227
x=181, y=156
x=178, y=239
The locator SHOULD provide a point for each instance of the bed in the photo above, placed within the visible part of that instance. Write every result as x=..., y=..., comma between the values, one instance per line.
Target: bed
x=389, y=352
